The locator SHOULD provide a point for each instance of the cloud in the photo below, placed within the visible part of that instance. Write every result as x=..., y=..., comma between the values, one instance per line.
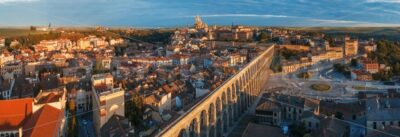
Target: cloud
x=335, y=21
x=14, y=1
x=242, y=15
x=315, y=21
x=322, y=22
x=383, y=1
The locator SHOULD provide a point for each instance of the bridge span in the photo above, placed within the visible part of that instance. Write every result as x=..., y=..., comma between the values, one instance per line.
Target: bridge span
x=219, y=110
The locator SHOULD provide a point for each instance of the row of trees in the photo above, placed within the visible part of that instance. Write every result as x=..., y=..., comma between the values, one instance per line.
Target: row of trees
x=388, y=53
x=133, y=110
x=151, y=36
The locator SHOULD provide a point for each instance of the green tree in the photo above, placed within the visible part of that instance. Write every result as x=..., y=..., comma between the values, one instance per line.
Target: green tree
x=339, y=115
x=263, y=37
x=72, y=121
x=133, y=110
x=354, y=62
x=304, y=75
x=298, y=130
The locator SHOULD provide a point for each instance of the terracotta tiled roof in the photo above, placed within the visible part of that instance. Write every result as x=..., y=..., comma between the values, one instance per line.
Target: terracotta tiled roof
x=13, y=113
x=43, y=123
x=52, y=97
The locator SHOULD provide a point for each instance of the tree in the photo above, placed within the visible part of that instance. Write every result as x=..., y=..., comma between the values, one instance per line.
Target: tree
x=354, y=62
x=133, y=110
x=339, y=115
x=339, y=67
x=72, y=122
x=190, y=88
x=304, y=75
x=382, y=75
x=298, y=130
x=263, y=37
x=396, y=69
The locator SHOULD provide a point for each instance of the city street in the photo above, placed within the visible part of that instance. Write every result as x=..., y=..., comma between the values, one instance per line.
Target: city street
x=85, y=125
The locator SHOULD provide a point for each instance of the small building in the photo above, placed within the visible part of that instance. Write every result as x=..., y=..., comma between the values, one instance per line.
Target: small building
x=159, y=101
x=117, y=126
x=371, y=66
x=108, y=99
x=361, y=75
x=382, y=113
x=350, y=47
x=180, y=59
x=269, y=113
x=311, y=121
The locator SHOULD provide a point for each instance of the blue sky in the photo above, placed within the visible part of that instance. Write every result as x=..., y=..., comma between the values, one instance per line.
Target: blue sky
x=171, y=13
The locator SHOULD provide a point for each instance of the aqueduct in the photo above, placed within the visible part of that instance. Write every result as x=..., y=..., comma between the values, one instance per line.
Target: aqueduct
x=217, y=112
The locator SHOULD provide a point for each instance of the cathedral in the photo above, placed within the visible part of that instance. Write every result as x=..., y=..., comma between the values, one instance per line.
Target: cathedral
x=200, y=25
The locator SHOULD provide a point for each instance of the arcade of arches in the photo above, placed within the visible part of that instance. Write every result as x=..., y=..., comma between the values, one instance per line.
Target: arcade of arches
x=215, y=114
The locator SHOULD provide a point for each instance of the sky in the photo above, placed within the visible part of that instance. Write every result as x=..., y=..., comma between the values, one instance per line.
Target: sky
x=174, y=13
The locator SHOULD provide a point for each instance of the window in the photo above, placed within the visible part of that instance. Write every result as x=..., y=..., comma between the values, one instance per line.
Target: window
x=383, y=123
x=354, y=117
x=316, y=125
x=309, y=124
x=391, y=123
x=374, y=125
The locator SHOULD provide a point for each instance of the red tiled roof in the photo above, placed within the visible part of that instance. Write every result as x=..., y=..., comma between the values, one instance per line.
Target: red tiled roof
x=52, y=97
x=43, y=123
x=101, y=87
x=13, y=113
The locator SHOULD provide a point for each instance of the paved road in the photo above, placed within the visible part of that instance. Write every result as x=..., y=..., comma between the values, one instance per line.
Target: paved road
x=86, y=128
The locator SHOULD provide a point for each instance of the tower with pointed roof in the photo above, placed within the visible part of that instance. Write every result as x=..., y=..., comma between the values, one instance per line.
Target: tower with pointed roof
x=198, y=24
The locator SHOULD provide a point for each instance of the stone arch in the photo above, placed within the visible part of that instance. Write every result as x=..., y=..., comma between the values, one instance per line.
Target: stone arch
x=224, y=101
x=252, y=70
x=204, y=123
x=211, y=120
x=194, y=128
x=241, y=82
x=211, y=114
x=229, y=96
x=246, y=77
x=233, y=91
x=218, y=106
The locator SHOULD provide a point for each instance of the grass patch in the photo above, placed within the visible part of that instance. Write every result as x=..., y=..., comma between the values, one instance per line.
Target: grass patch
x=364, y=88
x=321, y=87
x=12, y=32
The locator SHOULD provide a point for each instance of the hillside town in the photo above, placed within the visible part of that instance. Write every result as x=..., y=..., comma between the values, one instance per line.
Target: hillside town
x=98, y=85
